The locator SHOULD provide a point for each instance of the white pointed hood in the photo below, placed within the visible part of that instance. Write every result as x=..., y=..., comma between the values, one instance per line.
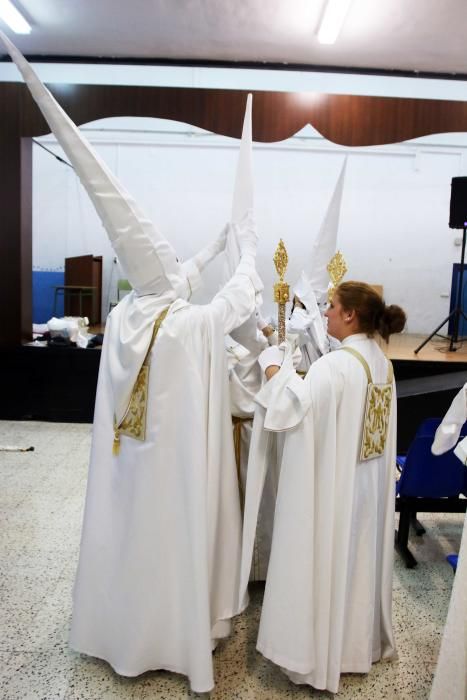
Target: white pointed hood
x=314, y=282
x=148, y=260
x=242, y=204
x=242, y=218
x=243, y=192
x=241, y=214
x=325, y=244
x=311, y=288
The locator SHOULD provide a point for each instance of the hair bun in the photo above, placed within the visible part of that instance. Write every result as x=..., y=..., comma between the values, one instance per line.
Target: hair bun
x=392, y=320
x=372, y=313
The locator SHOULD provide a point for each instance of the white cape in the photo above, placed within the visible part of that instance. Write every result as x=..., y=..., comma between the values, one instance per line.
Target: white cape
x=327, y=602
x=158, y=574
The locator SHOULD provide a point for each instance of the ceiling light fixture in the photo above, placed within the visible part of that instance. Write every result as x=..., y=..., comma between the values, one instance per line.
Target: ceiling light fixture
x=11, y=16
x=333, y=19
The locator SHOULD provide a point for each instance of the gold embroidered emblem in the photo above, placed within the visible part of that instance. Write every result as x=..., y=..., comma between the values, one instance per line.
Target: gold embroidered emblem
x=133, y=423
x=376, y=420
x=337, y=268
x=377, y=411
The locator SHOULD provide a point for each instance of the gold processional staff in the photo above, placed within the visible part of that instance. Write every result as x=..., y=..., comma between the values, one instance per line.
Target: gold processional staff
x=281, y=288
x=336, y=267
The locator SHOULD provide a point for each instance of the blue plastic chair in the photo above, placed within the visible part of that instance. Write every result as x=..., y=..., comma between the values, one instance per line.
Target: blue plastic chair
x=452, y=560
x=427, y=484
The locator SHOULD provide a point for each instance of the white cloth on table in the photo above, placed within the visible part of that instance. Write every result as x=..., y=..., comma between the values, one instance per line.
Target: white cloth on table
x=328, y=595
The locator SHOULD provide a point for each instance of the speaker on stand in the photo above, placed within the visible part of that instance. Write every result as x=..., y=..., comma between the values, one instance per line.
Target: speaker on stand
x=457, y=219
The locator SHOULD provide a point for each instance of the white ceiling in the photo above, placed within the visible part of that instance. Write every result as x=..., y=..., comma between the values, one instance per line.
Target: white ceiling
x=407, y=35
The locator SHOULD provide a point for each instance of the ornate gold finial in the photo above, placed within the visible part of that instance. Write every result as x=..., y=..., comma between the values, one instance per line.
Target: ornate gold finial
x=337, y=268
x=281, y=288
x=281, y=260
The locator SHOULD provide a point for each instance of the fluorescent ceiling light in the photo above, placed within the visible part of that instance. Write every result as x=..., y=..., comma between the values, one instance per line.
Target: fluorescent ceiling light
x=332, y=21
x=11, y=16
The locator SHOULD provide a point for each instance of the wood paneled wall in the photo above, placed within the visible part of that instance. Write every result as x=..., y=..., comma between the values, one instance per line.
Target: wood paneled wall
x=345, y=119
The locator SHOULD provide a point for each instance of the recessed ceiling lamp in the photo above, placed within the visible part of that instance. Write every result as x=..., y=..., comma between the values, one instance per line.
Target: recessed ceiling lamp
x=11, y=16
x=333, y=19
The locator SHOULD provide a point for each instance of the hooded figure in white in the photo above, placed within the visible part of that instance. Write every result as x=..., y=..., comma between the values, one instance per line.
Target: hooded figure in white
x=306, y=326
x=311, y=288
x=306, y=331
x=158, y=574
x=327, y=601
x=450, y=679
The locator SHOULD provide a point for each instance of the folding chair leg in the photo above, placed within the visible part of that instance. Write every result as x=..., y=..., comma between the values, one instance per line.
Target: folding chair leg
x=402, y=538
x=416, y=524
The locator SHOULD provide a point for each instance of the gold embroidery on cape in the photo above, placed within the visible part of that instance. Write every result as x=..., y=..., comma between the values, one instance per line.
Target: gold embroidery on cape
x=376, y=420
x=377, y=411
x=133, y=423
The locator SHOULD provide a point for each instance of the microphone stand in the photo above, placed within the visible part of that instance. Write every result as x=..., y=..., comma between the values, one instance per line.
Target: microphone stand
x=458, y=311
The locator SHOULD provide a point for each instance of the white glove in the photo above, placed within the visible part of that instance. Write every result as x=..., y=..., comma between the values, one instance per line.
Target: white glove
x=272, y=356
x=210, y=251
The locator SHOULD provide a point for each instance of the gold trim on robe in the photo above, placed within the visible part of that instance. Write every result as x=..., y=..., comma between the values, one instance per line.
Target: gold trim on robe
x=237, y=437
x=377, y=410
x=133, y=423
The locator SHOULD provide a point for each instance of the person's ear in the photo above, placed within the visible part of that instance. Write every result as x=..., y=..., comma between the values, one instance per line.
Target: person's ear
x=349, y=316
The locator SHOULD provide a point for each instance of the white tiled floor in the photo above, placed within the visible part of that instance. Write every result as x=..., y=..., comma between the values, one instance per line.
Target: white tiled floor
x=41, y=500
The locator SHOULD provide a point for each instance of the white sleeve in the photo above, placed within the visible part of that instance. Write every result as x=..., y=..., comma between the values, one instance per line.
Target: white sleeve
x=248, y=335
x=300, y=321
x=309, y=325
x=449, y=430
x=236, y=301
x=286, y=397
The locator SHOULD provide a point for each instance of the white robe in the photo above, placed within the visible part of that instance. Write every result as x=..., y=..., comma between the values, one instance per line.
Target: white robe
x=302, y=335
x=328, y=595
x=450, y=679
x=158, y=573
x=245, y=377
x=302, y=324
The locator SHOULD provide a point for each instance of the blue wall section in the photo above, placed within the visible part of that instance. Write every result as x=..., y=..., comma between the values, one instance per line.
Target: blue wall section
x=456, y=271
x=43, y=295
